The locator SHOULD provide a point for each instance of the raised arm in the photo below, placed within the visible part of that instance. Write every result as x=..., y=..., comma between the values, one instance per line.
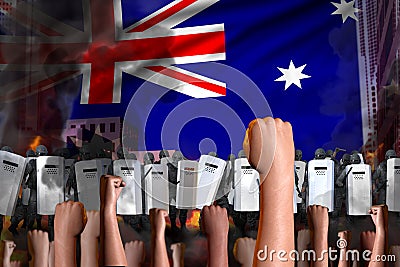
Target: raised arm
x=159, y=256
x=112, y=251
x=271, y=140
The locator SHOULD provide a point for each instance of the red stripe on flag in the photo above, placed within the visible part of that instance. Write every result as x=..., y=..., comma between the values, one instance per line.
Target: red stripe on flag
x=162, y=16
x=189, y=79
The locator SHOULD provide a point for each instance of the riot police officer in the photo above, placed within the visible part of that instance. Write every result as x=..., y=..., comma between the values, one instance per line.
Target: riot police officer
x=301, y=207
x=173, y=183
x=162, y=154
x=226, y=185
x=380, y=178
x=340, y=191
x=31, y=172
x=247, y=221
x=21, y=210
x=132, y=220
x=298, y=155
x=148, y=158
x=8, y=149
x=319, y=154
x=84, y=154
x=341, y=180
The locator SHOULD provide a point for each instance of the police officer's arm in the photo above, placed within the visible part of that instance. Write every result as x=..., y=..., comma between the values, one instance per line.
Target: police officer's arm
x=296, y=183
x=305, y=182
x=29, y=168
x=71, y=182
x=377, y=179
x=110, y=169
x=341, y=178
x=172, y=174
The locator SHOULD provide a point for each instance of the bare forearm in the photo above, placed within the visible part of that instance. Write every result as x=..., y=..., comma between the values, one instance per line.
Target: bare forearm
x=159, y=256
x=64, y=248
x=6, y=262
x=320, y=242
x=276, y=220
x=301, y=262
x=343, y=262
x=110, y=240
x=379, y=249
x=89, y=251
x=217, y=251
x=51, y=255
x=135, y=263
x=177, y=258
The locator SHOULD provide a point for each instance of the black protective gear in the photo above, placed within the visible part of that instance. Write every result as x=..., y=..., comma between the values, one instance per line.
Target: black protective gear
x=320, y=154
x=41, y=150
x=213, y=154
x=163, y=154
x=355, y=159
x=298, y=155
x=242, y=154
x=30, y=153
x=148, y=158
x=7, y=148
x=390, y=154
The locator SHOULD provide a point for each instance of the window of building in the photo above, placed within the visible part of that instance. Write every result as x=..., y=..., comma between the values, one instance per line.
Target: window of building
x=73, y=126
x=112, y=127
x=102, y=127
x=92, y=127
x=83, y=126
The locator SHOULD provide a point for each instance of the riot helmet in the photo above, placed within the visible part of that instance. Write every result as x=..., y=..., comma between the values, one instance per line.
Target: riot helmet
x=148, y=158
x=41, y=150
x=355, y=159
x=390, y=154
x=7, y=148
x=298, y=155
x=319, y=154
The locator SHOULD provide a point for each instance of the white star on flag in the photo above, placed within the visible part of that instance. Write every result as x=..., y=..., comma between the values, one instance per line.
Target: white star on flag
x=346, y=10
x=292, y=75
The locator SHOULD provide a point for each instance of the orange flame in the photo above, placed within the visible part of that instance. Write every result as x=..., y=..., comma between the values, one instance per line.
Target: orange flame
x=193, y=221
x=35, y=143
x=370, y=156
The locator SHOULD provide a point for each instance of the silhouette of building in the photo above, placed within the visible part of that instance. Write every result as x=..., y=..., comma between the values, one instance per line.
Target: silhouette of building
x=378, y=39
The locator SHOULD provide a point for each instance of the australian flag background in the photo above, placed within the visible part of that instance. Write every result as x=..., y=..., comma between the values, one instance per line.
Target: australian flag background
x=186, y=74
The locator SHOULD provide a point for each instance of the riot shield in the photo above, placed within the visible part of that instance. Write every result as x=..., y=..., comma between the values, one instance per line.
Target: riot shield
x=246, y=196
x=393, y=184
x=301, y=171
x=156, y=187
x=359, y=199
x=11, y=172
x=50, y=183
x=88, y=173
x=210, y=170
x=130, y=199
x=187, y=187
x=321, y=183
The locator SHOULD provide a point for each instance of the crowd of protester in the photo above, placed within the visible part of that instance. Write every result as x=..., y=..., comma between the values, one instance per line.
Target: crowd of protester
x=100, y=242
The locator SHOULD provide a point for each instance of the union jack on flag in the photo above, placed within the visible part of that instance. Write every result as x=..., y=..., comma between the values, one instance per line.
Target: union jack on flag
x=78, y=52
x=52, y=50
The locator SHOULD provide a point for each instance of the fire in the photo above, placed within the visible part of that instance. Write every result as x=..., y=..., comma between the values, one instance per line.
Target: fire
x=193, y=221
x=35, y=143
x=370, y=157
